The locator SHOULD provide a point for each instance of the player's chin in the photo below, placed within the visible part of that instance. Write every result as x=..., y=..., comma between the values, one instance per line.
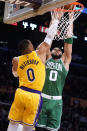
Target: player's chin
x=56, y=56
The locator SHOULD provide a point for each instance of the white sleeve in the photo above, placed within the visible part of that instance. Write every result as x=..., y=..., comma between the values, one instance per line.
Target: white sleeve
x=52, y=31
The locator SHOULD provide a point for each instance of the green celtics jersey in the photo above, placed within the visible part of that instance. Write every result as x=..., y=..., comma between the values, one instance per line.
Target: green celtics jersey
x=55, y=77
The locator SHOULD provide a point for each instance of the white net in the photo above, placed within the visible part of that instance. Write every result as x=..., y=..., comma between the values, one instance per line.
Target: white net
x=69, y=15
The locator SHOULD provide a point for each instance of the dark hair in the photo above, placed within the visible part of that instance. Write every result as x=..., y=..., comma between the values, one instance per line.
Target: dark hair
x=22, y=45
x=57, y=48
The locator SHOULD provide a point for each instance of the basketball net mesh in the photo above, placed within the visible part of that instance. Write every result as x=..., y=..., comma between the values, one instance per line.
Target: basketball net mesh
x=64, y=29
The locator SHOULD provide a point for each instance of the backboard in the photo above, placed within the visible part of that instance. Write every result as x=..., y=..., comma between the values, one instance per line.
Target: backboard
x=22, y=10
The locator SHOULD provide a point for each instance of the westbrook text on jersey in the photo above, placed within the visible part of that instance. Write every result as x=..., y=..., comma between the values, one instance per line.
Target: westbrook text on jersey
x=25, y=63
x=52, y=65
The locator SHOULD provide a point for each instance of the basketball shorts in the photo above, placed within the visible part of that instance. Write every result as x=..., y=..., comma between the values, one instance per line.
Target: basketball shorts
x=25, y=107
x=50, y=115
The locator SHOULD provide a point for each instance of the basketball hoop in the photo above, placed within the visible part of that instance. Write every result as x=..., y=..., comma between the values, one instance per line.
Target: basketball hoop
x=74, y=9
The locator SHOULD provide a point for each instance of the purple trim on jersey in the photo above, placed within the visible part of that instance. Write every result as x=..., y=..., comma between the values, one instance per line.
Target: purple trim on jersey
x=39, y=110
x=30, y=90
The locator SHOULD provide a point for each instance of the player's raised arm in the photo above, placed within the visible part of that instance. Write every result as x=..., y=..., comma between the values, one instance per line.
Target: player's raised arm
x=68, y=44
x=45, y=46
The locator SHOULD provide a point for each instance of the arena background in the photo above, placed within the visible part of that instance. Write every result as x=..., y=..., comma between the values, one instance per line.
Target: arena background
x=75, y=91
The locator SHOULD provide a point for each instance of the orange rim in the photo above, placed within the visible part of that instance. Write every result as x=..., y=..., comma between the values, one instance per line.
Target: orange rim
x=74, y=3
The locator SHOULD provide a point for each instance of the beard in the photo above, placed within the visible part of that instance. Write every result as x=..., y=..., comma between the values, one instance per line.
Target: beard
x=56, y=56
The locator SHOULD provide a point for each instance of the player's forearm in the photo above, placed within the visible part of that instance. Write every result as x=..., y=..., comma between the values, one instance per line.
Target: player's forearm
x=51, y=32
x=68, y=49
x=69, y=40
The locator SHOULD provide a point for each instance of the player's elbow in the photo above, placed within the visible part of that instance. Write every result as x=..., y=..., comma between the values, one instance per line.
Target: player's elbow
x=69, y=58
x=15, y=73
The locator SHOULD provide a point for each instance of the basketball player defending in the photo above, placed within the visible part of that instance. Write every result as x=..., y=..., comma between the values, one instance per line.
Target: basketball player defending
x=57, y=67
x=30, y=69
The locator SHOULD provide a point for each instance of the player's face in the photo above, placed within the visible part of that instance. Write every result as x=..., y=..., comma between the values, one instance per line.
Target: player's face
x=56, y=53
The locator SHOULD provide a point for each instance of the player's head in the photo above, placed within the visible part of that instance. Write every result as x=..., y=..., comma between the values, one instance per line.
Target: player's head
x=25, y=46
x=56, y=53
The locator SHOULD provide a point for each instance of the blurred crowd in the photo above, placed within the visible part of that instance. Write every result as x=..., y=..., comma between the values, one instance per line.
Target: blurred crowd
x=74, y=117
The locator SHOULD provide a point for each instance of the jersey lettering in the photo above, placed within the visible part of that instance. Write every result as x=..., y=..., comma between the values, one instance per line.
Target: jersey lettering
x=56, y=66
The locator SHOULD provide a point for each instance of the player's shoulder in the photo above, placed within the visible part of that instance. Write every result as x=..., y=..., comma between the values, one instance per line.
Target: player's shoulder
x=15, y=58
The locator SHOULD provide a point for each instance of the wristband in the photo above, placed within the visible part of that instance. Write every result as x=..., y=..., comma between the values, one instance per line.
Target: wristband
x=68, y=40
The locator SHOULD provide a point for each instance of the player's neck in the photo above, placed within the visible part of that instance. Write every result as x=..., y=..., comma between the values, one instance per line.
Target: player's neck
x=56, y=59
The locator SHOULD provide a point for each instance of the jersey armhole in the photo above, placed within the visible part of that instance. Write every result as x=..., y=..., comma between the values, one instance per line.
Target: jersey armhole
x=64, y=66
